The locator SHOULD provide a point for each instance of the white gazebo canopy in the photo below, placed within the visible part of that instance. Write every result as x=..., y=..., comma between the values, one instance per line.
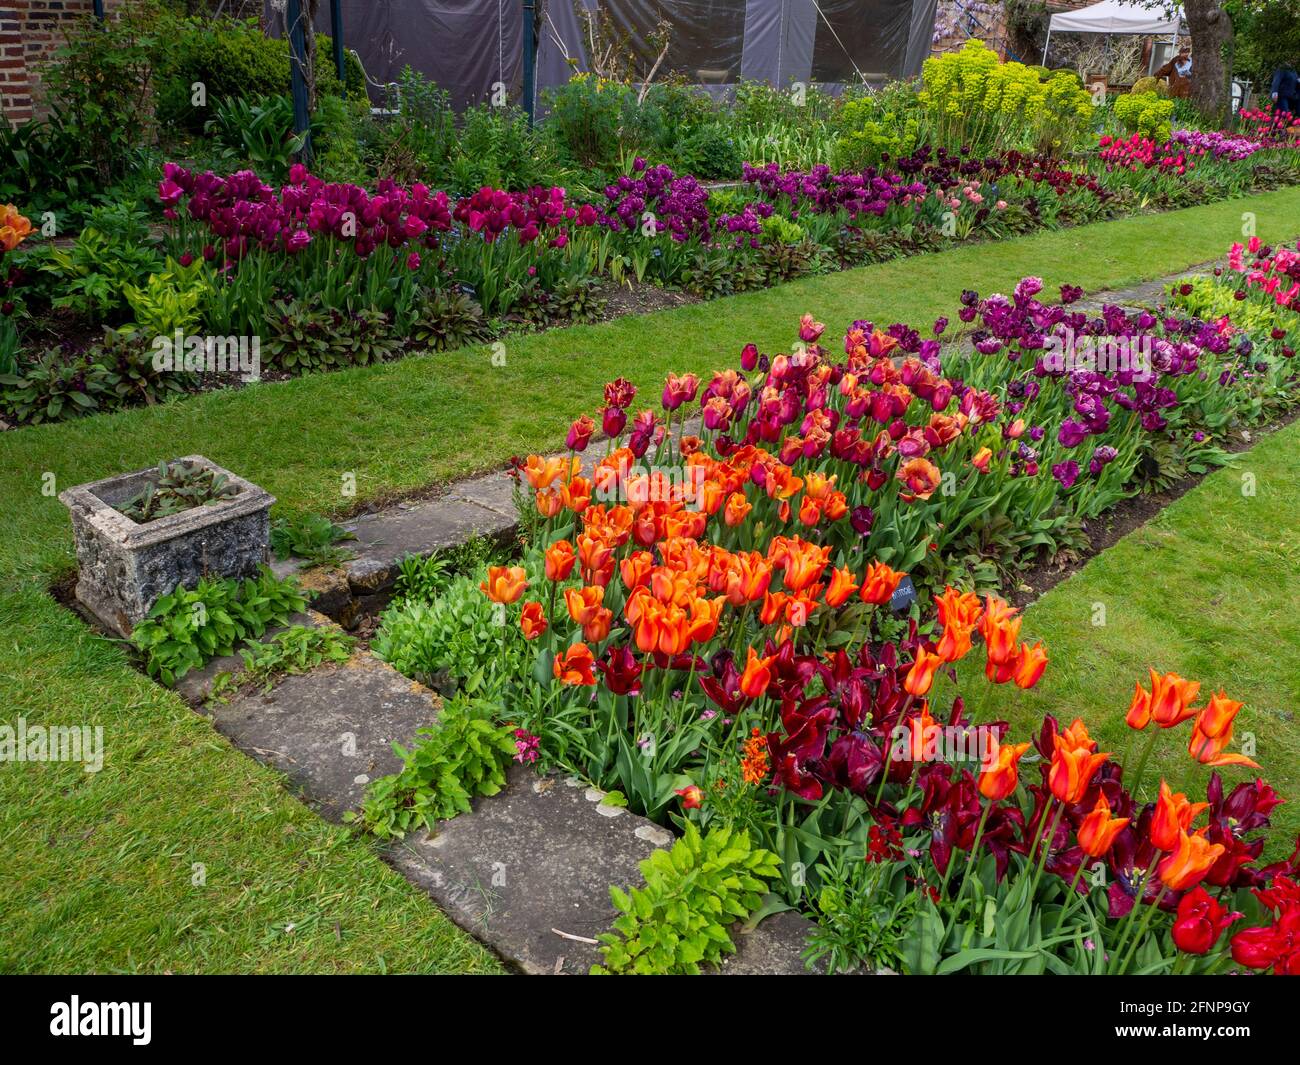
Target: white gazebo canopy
x=1118, y=16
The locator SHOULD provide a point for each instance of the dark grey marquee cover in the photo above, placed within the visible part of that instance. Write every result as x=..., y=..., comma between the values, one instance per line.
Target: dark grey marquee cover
x=467, y=46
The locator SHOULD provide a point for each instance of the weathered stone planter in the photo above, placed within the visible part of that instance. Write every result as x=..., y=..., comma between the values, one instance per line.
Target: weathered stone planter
x=125, y=567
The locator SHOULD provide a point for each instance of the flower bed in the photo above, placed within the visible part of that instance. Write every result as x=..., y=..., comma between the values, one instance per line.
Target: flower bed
x=706, y=625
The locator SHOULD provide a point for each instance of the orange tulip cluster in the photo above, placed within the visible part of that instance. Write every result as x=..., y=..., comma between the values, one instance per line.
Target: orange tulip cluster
x=1189, y=855
x=1169, y=703
x=960, y=615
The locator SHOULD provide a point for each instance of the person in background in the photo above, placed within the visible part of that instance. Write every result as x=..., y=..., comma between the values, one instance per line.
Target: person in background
x=1285, y=90
x=1179, y=72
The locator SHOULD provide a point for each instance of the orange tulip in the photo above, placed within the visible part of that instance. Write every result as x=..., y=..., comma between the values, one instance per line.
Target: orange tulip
x=1072, y=770
x=583, y=602
x=14, y=227
x=919, y=733
x=757, y=675
x=805, y=565
x=773, y=607
x=737, y=509
x=542, y=473
x=504, y=584
x=748, y=579
x=1001, y=630
x=574, y=666
x=1218, y=715
x=1171, y=698
x=921, y=476
x=705, y=614
x=1097, y=831
x=1029, y=665
x=559, y=560
x=981, y=460
x=959, y=612
x=879, y=584
x=549, y=503
x=532, y=621
x=842, y=586
x=1173, y=816
x=1139, y=710
x=577, y=494
x=636, y=568
x=596, y=628
x=1212, y=733
x=1193, y=856
x=921, y=676
x=1001, y=780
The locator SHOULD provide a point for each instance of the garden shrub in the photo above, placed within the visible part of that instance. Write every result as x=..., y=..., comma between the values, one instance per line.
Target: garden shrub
x=693, y=892
x=463, y=757
x=972, y=99
x=189, y=627
x=865, y=135
x=711, y=153
x=233, y=58
x=1145, y=113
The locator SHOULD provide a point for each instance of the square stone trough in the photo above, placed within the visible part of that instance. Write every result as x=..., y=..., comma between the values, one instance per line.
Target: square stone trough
x=124, y=567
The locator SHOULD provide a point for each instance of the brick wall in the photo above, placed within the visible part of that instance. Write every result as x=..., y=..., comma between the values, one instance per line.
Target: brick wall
x=30, y=30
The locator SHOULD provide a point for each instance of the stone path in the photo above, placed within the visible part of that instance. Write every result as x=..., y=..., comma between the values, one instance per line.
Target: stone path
x=528, y=871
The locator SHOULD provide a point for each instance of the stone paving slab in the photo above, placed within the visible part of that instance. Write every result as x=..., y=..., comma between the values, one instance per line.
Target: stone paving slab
x=538, y=859
x=331, y=730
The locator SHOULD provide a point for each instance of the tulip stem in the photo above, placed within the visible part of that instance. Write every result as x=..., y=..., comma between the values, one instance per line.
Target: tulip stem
x=970, y=861
x=1142, y=762
x=1068, y=904
x=1142, y=930
x=1047, y=848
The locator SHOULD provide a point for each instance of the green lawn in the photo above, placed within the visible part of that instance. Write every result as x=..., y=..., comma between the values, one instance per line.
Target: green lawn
x=1207, y=589
x=96, y=870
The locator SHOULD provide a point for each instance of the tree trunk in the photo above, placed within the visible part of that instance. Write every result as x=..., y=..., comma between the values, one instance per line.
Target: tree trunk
x=1211, y=31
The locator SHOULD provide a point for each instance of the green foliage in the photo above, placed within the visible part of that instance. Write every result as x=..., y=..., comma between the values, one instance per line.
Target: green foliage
x=130, y=374
x=448, y=319
x=44, y=164
x=711, y=153
x=10, y=345
x=309, y=536
x=257, y=130
x=95, y=273
x=459, y=632
x=973, y=99
x=862, y=918
x=295, y=650
x=102, y=78
x=178, y=486
x=171, y=299
x=305, y=335
x=189, y=627
x=865, y=134
x=678, y=921
x=465, y=756
x=57, y=386
x=231, y=58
